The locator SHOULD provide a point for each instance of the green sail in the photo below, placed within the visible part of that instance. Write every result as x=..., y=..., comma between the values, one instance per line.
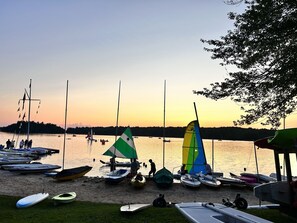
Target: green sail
x=124, y=147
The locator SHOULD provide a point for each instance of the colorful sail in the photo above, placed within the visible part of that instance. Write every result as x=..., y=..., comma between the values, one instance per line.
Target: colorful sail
x=124, y=147
x=193, y=156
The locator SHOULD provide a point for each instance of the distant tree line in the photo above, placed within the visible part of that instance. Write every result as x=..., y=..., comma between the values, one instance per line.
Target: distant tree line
x=223, y=133
x=21, y=127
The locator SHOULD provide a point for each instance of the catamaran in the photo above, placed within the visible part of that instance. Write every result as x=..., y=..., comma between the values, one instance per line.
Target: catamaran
x=193, y=156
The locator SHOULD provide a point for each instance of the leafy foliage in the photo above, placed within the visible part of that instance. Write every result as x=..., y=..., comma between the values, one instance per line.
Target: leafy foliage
x=263, y=48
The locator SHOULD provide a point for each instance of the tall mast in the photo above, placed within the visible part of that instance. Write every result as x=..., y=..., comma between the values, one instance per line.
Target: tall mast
x=29, y=96
x=196, y=113
x=164, y=118
x=29, y=112
x=118, y=111
x=65, y=125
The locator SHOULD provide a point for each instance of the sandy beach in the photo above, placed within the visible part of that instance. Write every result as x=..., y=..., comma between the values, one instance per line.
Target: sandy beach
x=95, y=189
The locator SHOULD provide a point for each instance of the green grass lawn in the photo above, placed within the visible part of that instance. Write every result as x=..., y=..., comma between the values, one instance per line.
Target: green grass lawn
x=84, y=212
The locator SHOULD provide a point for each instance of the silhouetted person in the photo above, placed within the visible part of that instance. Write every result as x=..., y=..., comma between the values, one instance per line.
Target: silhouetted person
x=208, y=169
x=8, y=144
x=134, y=167
x=22, y=143
x=30, y=143
x=26, y=143
x=153, y=168
x=112, y=164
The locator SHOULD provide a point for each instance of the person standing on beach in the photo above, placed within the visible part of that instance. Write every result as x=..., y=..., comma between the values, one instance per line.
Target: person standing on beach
x=8, y=144
x=30, y=143
x=208, y=169
x=153, y=168
x=22, y=144
x=112, y=164
x=26, y=143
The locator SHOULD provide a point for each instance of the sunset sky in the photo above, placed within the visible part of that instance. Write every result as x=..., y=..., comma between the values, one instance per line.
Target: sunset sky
x=95, y=44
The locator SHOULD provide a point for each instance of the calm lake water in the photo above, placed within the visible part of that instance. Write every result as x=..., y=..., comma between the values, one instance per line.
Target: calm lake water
x=229, y=156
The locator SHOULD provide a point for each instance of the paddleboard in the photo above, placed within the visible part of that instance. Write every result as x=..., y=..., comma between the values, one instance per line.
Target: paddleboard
x=31, y=200
x=134, y=207
x=65, y=197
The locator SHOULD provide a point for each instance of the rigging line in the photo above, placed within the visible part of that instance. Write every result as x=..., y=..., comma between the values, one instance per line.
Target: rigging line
x=250, y=154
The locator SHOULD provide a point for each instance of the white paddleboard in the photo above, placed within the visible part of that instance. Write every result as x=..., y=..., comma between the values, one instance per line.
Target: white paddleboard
x=134, y=207
x=31, y=200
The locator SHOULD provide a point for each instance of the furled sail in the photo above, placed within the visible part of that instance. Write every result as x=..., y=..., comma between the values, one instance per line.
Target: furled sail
x=193, y=156
x=124, y=147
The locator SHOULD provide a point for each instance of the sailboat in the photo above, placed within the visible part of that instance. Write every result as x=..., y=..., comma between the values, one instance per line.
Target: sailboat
x=90, y=137
x=28, y=150
x=163, y=177
x=72, y=173
x=124, y=147
x=193, y=156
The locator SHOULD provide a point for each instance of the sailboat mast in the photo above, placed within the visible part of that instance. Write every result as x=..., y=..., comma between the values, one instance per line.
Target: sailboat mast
x=65, y=125
x=118, y=111
x=29, y=112
x=164, y=118
x=196, y=113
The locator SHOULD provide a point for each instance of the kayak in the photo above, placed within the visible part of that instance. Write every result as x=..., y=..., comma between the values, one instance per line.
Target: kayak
x=64, y=198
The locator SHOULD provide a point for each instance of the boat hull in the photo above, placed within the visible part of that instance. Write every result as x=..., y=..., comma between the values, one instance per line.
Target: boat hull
x=116, y=176
x=137, y=182
x=64, y=198
x=198, y=212
x=71, y=174
x=163, y=178
x=189, y=181
x=30, y=168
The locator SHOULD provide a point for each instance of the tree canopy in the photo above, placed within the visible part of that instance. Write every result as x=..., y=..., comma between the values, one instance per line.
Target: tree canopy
x=263, y=48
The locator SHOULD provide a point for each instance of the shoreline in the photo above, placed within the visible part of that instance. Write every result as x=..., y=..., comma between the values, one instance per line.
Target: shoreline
x=94, y=189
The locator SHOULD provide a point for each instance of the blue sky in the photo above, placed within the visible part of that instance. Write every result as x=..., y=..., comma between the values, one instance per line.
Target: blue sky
x=96, y=44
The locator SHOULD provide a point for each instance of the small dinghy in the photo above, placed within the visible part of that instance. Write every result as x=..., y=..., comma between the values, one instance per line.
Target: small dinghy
x=31, y=200
x=116, y=176
x=64, y=198
x=72, y=173
x=189, y=181
x=209, y=180
x=138, y=181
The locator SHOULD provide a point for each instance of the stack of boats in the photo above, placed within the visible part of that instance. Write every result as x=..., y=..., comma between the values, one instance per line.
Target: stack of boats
x=243, y=180
x=20, y=160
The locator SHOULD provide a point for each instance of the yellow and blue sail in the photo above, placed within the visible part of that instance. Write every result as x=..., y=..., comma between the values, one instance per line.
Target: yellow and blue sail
x=193, y=156
x=124, y=147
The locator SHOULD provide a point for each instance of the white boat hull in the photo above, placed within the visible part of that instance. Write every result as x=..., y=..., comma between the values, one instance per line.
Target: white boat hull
x=197, y=212
x=189, y=181
x=275, y=192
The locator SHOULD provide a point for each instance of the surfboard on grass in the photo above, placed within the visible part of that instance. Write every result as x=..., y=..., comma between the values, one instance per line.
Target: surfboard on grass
x=31, y=200
x=134, y=207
